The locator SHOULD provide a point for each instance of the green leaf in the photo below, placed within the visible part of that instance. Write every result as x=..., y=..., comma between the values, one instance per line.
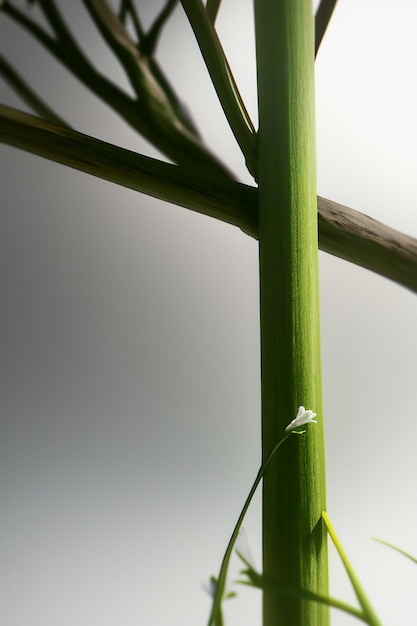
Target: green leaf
x=265, y=583
x=363, y=600
x=390, y=545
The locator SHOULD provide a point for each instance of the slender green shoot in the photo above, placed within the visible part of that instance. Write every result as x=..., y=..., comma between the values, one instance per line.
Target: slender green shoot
x=390, y=545
x=27, y=94
x=212, y=9
x=128, y=7
x=211, y=590
x=365, y=614
x=126, y=51
x=221, y=579
x=32, y=27
x=303, y=417
x=265, y=583
x=150, y=41
x=157, y=113
x=147, y=41
x=322, y=19
x=223, y=80
x=363, y=600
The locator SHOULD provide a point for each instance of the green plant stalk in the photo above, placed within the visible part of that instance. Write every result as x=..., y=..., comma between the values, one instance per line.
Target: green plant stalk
x=294, y=542
x=155, y=116
x=258, y=581
x=368, y=612
x=27, y=94
x=223, y=80
x=221, y=579
x=323, y=15
x=399, y=550
x=343, y=232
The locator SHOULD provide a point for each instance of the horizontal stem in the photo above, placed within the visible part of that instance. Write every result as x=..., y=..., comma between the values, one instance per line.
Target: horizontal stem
x=360, y=239
x=219, y=197
x=343, y=232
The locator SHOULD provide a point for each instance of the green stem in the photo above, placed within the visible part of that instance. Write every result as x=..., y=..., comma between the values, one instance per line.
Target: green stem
x=403, y=552
x=369, y=614
x=294, y=542
x=322, y=19
x=212, y=9
x=221, y=579
x=261, y=582
x=345, y=233
x=221, y=198
x=155, y=119
x=223, y=81
x=27, y=94
x=150, y=41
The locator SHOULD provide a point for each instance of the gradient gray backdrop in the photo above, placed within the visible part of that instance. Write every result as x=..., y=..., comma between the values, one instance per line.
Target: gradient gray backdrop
x=130, y=417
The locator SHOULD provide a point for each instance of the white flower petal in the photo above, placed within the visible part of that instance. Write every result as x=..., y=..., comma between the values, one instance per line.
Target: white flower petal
x=209, y=587
x=242, y=546
x=303, y=417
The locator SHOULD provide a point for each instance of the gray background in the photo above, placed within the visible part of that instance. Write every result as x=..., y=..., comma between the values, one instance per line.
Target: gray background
x=130, y=416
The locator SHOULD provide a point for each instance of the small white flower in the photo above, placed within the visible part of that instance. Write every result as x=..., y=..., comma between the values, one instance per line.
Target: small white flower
x=210, y=586
x=242, y=547
x=303, y=417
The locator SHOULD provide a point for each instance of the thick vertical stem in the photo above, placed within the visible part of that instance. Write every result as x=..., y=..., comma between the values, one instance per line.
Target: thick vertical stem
x=294, y=544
